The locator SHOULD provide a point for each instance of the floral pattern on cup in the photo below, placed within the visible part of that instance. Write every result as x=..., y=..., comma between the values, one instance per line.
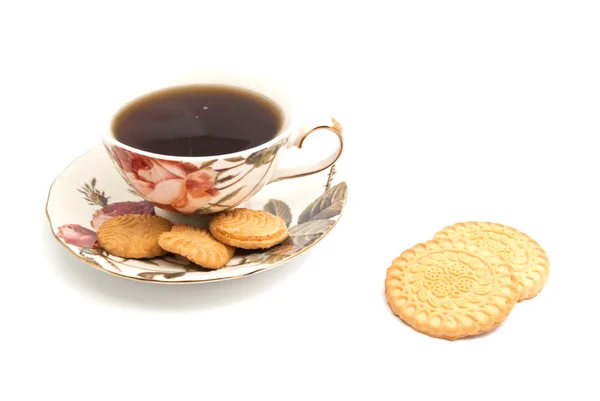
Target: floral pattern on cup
x=183, y=187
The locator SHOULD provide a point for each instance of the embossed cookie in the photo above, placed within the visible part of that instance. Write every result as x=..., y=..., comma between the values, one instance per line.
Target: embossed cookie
x=248, y=229
x=197, y=245
x=528, y=259
x=133, y=236
x=450, y=288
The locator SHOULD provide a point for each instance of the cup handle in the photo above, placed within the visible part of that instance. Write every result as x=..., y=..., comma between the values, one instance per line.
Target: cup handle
x=308, y=168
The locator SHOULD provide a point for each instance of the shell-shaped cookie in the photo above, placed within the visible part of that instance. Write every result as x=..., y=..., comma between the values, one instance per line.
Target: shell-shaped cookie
x=528, y=259
x=197, y=245
x=248, y=229
x=450, y=288
x=133, y=236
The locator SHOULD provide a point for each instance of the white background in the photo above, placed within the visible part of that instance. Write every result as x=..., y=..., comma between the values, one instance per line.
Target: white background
x=453, y=111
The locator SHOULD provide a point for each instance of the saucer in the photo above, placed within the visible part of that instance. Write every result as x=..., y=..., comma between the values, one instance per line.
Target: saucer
x=90, y=191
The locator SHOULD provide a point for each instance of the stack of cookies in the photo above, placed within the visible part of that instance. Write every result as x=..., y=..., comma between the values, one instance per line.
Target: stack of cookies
x=466, y=280
x=145, y=236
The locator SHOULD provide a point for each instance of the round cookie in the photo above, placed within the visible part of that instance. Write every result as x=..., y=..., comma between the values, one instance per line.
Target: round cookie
x=450, y=288
x=197, y=245
x=248, y=229
x=133, y=236
x=528, y=259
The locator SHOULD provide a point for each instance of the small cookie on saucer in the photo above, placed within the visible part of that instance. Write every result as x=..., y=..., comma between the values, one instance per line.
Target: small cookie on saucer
x=197, y=245
x=450, y=288
x=248, y=229
x=133, y=236
x=528, y=259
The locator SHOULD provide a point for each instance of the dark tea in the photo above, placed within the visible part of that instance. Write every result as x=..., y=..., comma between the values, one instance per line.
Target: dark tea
x=198, y=120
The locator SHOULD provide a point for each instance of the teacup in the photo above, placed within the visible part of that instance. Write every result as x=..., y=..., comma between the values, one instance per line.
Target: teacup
x=210, y=184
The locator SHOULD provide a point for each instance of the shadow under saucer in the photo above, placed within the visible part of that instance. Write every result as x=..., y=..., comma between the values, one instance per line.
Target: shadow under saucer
x=152, y=295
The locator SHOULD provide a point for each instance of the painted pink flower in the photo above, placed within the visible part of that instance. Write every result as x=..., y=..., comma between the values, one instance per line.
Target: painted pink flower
x=120, y=209
x=74, y=234
x=182, y=186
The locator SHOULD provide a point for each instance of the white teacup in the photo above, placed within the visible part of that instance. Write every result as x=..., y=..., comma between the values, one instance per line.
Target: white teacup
x=210, y=184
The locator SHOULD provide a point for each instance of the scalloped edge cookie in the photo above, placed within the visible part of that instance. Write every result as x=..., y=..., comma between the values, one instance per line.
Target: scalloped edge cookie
x=450, y=319
x=248, y=228
x=133, y=236
x=531, y=277
x=197, y=245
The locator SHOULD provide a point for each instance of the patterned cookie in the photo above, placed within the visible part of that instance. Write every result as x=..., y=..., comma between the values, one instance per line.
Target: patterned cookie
x=528, y=259
x=133, y=236
x=248, y=229
x=197, y=245
x=450, y=288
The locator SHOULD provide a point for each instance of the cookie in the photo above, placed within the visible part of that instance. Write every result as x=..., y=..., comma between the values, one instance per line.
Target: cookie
x=133, y=236
x=450, y=288
x=528, y=259
x=248, y=229
x=197, y=245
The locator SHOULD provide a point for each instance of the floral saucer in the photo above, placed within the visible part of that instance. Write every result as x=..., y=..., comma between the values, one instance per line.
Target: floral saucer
x=91, y=190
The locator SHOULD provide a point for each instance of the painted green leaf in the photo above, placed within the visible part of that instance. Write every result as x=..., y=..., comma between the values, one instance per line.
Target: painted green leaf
x=229, y=196
x=149, y=275
x=254, y=258
x=280, y=209
x=234, y=159
x=93, y=183
x=330, y=177
x=174, y=275
x=227, y=178
x=328, y=205
x=88, y=251
x=302, y=241
x=148, y=262
x=265, y=156
x=176, y=259
x=201, y=210
x=207, y=164
x=286, y=243
x=311, y=228
x=282, y=252
x=334, y=210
